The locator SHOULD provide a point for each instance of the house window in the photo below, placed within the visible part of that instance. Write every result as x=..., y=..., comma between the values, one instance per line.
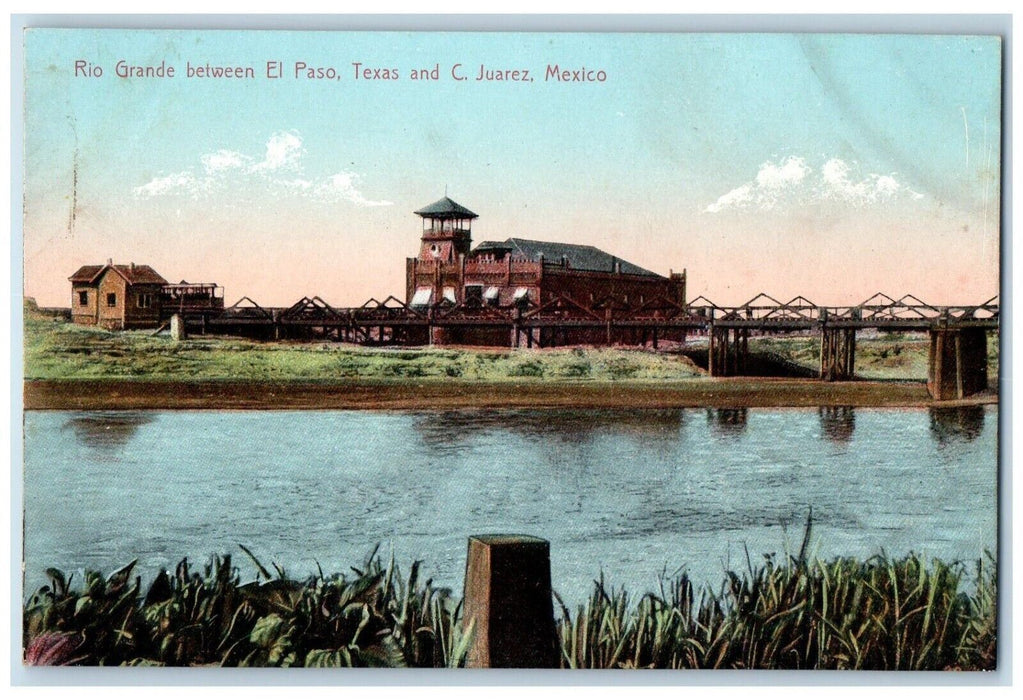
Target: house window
x=474, y=294
x=111, y=300
x=145, y=301
x=83, y=298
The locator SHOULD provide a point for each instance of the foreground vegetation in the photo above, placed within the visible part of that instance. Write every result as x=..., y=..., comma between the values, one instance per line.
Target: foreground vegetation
x=882, y=614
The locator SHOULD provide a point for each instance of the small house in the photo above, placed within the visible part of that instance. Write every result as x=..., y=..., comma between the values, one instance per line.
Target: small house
x=116, y=296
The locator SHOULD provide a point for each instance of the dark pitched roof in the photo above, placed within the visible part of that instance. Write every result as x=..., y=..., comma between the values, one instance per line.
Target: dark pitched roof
x=446, y=209
x=86, y=273
x=134, y=274
x=580, y=257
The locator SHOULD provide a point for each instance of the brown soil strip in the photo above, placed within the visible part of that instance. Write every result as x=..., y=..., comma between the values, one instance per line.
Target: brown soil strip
x=736, y=392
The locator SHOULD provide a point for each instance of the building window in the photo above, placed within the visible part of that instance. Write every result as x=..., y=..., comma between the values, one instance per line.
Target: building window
x=83, y=298
x=145, y=301
x=474, y=294
x=111, y=300
x=421, y=297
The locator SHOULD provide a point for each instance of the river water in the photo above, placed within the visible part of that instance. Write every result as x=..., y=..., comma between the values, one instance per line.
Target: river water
x=631, y=494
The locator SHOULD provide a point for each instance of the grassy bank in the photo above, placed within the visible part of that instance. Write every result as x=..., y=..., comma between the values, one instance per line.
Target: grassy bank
x=881, y=614
x=881, y=356
x=84, y=368
x=58, y=350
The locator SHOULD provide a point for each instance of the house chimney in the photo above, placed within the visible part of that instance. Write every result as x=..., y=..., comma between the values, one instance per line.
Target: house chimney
x=131, y=267
x=110, y=261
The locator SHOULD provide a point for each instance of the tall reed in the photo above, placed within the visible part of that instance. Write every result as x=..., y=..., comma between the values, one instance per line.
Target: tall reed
x=796, y=612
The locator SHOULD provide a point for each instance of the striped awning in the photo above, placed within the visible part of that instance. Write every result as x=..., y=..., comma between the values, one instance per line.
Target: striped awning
x=422, y=296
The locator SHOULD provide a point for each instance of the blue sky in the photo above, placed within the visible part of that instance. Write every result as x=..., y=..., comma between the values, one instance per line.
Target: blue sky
x=757, y=162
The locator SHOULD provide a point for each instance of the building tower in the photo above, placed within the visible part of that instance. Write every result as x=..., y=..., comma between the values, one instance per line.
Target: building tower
x=446, y=231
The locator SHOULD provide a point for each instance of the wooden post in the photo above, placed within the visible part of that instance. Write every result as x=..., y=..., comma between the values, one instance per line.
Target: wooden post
x=508, y=604
x=851, y=354
x=959, y=365
x=712, y=369
x=744, y=349
x=826, y=368
x=935, y=372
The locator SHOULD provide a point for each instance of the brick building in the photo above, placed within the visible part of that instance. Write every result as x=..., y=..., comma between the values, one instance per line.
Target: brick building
x=116, y=296
x=120, y=297
x=522, y=272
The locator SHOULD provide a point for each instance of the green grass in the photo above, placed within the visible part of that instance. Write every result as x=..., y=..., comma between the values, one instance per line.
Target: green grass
x=878, y=614
x=884, y=356
x=56, y=349
x=193, y=618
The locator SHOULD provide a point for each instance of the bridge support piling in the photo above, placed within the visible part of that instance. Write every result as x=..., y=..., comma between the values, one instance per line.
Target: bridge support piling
x=838, y=354
x=957, y=363
x=728, y=352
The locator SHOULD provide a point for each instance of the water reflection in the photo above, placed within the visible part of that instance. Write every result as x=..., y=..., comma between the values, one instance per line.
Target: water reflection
x=956, y=424
x=107, y=430
x=443, y=429
x=727, y=422
x=838, y=423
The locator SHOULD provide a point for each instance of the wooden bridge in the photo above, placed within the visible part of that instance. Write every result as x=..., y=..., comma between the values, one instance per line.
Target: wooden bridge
x=958, y=334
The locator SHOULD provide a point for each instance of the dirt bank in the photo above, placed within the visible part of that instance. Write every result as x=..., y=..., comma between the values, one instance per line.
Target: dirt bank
x=107, y=394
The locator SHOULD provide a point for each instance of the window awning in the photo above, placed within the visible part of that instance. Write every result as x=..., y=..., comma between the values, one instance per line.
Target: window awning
x=521, y=292
x=491, y=293
x=422, y=297
x=449, y=294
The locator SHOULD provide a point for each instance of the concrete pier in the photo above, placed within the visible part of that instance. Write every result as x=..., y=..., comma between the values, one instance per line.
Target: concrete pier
x=508, y=603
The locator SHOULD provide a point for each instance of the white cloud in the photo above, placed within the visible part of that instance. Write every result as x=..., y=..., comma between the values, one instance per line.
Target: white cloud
x=283, y=150
x=791, y=172
x=242, y=176
x=222, y=160
x=176, y=183
x=793, y=183
x=342, y=185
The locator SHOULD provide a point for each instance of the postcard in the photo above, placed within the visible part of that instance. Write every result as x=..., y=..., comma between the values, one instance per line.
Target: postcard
x=511, y=350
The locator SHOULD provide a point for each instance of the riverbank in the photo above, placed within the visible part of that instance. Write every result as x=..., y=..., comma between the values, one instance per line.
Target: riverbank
x=84, y=368
x=881, y=614
x=732, y=392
